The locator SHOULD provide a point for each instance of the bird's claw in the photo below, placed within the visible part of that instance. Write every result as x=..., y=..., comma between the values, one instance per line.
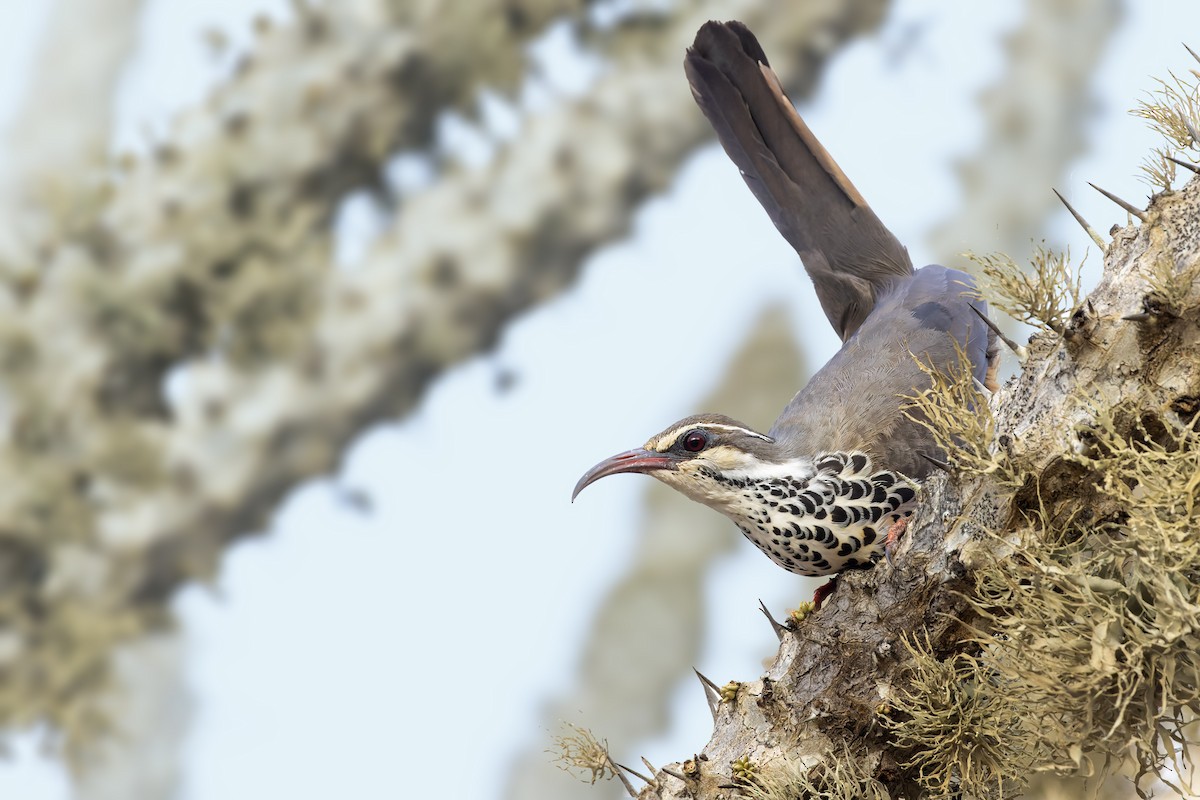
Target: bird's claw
x=823, y=591
x=893, y=539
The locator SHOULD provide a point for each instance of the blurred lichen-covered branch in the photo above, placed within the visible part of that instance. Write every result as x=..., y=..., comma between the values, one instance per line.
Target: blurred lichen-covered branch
x=178, y=352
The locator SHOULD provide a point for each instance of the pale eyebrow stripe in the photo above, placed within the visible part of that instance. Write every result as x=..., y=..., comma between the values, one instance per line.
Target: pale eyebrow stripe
x=718, y=426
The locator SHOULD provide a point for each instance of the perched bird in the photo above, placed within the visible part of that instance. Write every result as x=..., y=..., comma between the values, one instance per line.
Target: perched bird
x=836, y=475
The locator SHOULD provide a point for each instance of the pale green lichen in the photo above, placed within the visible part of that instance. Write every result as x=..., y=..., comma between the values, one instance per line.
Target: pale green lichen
x=1083, y=655
x=965, y=733
x=844, y=776
x=1169, y=110
x=1044, y=296
x=1087, y=639
x=1171, y=286
x=956, y=413
x=1158, y=170
x=578, y=750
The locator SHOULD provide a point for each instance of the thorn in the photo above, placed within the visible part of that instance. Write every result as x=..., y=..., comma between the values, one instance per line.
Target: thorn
x=779, y=629
x=635, y=773
x=1191, y=129
x=1190, y=50
x=1153, y=310
x=942, y=465
x=1097, y=238
x=1020, y=352
x=1082, y=324
x=1125, y=204
x=650, y=767
x=1184, y=164
x=675, y=774
x=624, y=781
x=708, y=684
x=712, y=693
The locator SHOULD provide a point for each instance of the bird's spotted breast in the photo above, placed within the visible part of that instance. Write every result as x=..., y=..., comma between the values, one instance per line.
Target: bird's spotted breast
x=835, y=519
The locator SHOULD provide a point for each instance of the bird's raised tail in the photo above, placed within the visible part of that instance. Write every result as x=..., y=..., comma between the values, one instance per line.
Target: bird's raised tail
x=849, y=254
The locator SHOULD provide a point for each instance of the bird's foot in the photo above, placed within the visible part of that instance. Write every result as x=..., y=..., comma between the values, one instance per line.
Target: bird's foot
x=893, y=539
x=823, y=591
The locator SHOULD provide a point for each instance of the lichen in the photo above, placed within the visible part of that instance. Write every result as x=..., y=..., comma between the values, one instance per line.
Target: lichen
x=1044, y=296
x=1085, y=626
x=1171, y=108
x=841, y=776
x=579, y=750
x=1089, y=644
x=1170, y=287
x=955, y=412
x=965, y=732
x=1173, y=111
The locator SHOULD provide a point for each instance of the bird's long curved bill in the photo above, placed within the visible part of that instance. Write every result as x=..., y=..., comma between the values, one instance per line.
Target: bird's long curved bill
x=630, y=461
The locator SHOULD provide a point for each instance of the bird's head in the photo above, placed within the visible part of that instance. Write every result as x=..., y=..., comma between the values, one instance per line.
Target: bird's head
x=707, y=457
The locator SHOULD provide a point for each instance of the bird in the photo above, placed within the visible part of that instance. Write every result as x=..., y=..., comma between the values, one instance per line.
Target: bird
x=831, y=485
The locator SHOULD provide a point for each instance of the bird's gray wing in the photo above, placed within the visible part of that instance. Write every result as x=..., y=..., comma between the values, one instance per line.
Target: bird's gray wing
x=859, y=400
x=848, y=253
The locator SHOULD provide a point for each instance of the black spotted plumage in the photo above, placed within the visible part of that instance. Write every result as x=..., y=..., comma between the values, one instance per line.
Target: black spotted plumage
x=832, y=515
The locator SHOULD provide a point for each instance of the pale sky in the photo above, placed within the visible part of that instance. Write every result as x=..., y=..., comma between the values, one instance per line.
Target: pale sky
x=334, y=645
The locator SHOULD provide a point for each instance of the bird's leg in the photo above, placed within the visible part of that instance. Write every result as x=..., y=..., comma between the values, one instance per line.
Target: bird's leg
x=823, y=591
x=893, y=537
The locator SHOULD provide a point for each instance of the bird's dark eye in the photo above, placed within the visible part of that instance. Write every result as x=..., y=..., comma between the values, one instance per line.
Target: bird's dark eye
x=695, y=441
